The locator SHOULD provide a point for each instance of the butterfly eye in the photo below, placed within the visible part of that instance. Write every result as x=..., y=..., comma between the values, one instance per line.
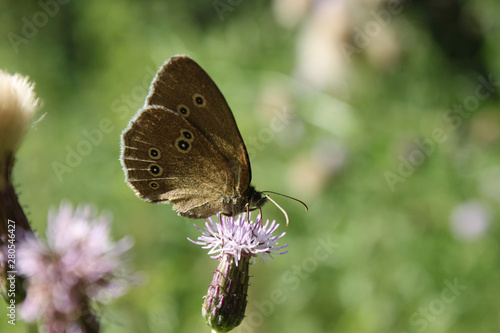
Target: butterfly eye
x=153, y=185
x=182, y=145
x=187, y=135
x=199, y=100
x=154, y=153
x=155, y=169
x=184, y=110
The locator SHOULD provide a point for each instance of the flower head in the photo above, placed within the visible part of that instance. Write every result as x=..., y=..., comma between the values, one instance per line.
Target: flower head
x=18, y=103
x=238, y=236
x=234, y=241
x=78, y=264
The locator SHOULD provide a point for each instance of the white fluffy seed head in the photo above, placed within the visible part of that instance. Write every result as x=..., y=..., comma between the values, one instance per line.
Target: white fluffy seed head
x=18, y=103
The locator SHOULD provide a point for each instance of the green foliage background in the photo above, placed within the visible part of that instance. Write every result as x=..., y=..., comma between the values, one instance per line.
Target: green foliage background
x=393, y=250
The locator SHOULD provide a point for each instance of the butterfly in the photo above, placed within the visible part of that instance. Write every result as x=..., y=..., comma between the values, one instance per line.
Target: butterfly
x=184, y=147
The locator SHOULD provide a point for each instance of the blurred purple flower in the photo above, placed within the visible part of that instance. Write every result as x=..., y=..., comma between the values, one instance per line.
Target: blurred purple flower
x=77, y=265
x=239, y=237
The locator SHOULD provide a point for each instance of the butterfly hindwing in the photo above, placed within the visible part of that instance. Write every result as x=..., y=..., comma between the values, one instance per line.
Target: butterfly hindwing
x=166, y=158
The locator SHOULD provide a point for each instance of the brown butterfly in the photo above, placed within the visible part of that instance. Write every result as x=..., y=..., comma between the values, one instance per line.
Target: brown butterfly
x=184, y=147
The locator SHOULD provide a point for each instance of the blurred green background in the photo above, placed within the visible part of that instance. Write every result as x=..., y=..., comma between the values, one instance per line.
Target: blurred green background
x=387, y=130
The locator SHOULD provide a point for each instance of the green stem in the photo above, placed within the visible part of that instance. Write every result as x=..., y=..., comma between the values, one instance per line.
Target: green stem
x=31, y=327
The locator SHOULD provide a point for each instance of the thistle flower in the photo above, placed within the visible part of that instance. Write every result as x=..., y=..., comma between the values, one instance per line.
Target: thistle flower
x=77, y=265
x=238, y=237
x=234, y=241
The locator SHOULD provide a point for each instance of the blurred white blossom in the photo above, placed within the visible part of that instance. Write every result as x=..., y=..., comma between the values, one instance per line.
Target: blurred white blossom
x=18, y=103
x=470, y=220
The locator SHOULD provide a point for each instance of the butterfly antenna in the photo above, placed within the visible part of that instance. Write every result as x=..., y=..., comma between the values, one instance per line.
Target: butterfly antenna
x=284, y=212
x=248, y=212
x=289, y=197
x=261, y=218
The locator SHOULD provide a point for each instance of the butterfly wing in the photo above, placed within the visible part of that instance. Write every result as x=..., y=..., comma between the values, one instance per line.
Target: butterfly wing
x=166, y=158
x=184, y=87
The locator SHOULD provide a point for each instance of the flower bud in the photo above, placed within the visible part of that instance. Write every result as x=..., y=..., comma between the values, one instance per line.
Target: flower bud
x=226, y=300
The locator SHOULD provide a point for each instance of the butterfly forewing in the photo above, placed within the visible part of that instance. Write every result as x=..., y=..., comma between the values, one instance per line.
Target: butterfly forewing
x=184, y=87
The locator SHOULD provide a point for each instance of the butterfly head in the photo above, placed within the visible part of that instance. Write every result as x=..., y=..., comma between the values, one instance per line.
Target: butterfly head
x=250, y=200
x=255, y=198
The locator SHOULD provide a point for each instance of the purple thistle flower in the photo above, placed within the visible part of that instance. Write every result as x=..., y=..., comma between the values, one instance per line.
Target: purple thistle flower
x=77, y=265
x=239, y=237
x=234, y=241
